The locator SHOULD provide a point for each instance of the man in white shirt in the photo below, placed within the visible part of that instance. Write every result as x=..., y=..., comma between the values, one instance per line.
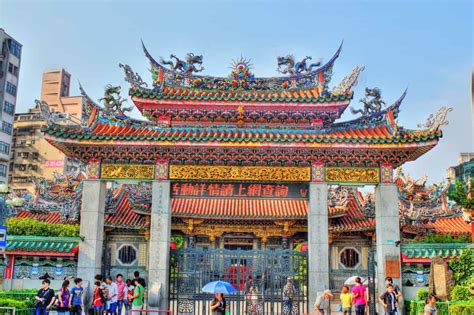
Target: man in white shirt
x=112, y=296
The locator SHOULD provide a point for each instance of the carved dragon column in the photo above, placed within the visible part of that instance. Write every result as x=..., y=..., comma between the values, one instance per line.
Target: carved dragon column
x=318, y=230
x=160, y=237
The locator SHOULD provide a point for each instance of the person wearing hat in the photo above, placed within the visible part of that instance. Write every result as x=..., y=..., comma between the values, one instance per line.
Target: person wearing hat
x=323, y=303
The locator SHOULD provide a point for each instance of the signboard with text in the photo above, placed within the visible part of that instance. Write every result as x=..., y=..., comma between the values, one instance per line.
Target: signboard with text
x=248, y=190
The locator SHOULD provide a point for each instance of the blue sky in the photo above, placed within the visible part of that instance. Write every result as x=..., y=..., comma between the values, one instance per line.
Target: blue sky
x=423, y=45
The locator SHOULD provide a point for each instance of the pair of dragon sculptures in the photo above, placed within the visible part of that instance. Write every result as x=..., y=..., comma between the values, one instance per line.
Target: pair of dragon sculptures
x=193, y=63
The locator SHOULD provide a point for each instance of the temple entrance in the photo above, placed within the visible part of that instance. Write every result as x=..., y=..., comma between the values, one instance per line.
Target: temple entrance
x=259, y=277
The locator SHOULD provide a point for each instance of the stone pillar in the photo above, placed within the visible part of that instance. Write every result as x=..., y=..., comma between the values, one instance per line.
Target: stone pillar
x=91, y=233
x=159, y=246
x=318, y=241
x=387, y=232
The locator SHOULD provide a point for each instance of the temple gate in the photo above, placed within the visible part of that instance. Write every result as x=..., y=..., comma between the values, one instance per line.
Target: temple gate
x=239, y=129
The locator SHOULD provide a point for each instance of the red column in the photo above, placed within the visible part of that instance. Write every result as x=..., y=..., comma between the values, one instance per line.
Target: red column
x=9, y=269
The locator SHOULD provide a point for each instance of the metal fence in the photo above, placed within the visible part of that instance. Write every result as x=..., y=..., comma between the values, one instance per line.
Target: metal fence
x=16, y=311
x=259, y=277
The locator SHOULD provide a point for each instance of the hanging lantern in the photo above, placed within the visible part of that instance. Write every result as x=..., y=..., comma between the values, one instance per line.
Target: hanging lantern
x=173, y=245
x=304, y=247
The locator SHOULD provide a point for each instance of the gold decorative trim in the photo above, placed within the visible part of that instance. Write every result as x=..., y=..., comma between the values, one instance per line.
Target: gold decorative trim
x=240, y=173
x=127, y=171
x=363, y=175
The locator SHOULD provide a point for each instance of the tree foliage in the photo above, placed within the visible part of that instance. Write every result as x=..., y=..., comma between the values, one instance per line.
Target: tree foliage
x=37, y=228
x=460, y=194
x=463, y=267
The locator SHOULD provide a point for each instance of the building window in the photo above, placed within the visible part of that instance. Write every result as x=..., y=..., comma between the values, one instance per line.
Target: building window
x=13, y=69
x=11, y=88
x=4, y=147
x=9, y=108
x=349, y=258
x=3, y=170
x=15, y=48
x=6, y=127
x=127, y=254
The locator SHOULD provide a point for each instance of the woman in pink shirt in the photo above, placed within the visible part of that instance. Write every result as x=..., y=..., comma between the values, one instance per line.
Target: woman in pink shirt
x=359, y=292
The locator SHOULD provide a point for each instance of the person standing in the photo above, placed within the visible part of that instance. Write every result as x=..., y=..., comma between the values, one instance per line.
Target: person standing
x=43, y=298
x=121, y=293
x=346, y=300
x=323, y=303
x=359, y=292
x=98, y=299
x=288, y=294
x=75, y=302
x=112, y=293
x=389, y=301
x=218, y=304
x=430, y=305
x=64, y=295
x=397, y=291
x=128, y=293
x=137, y=301
x=136, y=274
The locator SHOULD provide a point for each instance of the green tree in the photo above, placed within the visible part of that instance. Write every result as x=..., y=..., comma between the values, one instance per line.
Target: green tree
x=463, y=267
x=460, y=194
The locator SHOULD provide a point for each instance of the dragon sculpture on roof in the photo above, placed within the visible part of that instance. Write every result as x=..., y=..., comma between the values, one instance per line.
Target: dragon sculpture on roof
x=293, y=67
x=186, y=66
x=372, y=101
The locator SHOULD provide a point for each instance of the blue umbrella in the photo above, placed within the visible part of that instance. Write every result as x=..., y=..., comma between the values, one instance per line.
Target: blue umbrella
x=219, y=287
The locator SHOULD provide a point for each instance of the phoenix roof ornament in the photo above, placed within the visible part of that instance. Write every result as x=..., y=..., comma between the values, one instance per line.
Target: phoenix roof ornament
x=437, y=120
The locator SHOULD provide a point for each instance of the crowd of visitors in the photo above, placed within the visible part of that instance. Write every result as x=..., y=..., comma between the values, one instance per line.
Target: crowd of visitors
x=108, y=298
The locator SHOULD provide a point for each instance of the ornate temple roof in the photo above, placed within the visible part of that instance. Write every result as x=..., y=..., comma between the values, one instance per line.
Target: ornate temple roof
x=419, y=253
x=42, y=245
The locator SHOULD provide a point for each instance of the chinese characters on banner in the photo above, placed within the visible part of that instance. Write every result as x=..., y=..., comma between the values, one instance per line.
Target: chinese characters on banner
x=240, y=190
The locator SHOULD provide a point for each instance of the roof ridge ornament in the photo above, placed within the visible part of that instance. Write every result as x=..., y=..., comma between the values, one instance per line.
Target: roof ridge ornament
x=186, y=66
x=349, y=81
x=435, y=121
x=133, y=77
x=372, y=101
x=55, y=118
x=292, y=67
x=113, y=102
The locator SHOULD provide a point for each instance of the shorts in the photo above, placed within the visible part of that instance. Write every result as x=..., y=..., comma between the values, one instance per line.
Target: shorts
x=98, y=308
x=112, y=308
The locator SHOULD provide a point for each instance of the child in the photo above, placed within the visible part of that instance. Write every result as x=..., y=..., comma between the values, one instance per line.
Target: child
x=75, y=302
x=346, y=300
x=98, y=300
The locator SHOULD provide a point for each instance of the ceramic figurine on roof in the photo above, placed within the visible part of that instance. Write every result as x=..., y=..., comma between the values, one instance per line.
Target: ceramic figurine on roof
x=188, y=66
x=112, y=100
x=421, y=203
x=372, y=102
x=292, y=67
x=133, y=77
x=53, y=117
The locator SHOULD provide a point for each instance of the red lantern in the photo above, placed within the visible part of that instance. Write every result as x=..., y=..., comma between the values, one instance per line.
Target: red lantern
x=173, y=245
x=304, y=247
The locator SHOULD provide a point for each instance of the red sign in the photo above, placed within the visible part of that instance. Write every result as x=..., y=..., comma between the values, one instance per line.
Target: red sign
x=240, y=190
